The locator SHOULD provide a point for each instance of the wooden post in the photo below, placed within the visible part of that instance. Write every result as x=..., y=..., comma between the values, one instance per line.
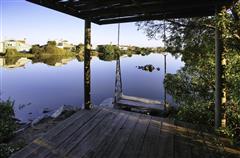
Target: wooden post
x=218, y=76
x=165, y=72
x=87, y=68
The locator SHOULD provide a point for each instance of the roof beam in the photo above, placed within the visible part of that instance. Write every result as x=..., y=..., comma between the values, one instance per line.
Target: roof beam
x=134, y=9
x=117, y=11
x=186, y=14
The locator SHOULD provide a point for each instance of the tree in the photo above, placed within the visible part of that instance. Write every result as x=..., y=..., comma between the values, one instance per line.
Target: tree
x=193, y=86
x=52, y=43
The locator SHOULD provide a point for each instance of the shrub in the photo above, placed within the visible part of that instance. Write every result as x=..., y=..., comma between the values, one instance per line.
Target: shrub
x=7, y=122
x=233, y=123
x=52, y=43
x=196, y=113
x=7, y=150
x=11, y=52
x=7, y=128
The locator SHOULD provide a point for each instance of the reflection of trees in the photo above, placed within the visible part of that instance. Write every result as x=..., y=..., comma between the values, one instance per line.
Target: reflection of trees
x=11, y=60
x=80, y=57
x=111, y=52
x=51, y=60
x=148, y=68
x=108, y=57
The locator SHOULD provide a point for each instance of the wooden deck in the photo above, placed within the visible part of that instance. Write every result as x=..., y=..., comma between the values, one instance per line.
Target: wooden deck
x=141, y=104
x=111, y=133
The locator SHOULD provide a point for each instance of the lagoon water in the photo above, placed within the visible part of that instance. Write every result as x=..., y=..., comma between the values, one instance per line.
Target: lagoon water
x=39, y=85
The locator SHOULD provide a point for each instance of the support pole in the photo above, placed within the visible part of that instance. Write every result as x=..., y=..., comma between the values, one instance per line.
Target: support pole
x=165, y=65
x=165, y=72
x=218, y=76
x=87, y=68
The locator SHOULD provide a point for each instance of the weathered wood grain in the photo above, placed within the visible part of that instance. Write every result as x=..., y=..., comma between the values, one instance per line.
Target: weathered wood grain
x=113, y=133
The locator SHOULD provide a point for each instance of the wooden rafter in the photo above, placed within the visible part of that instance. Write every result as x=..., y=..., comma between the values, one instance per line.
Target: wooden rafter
x=118, y=11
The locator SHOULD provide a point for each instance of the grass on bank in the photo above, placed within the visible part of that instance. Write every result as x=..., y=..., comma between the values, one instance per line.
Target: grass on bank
x=8, y=126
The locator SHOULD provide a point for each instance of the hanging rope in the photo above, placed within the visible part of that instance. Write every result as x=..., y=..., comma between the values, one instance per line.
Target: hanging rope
x=118, y=35
x=118, y=80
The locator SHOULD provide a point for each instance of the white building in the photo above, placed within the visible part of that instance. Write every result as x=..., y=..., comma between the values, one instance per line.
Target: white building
x=64, y=44
x=123, y=47
x=19, y=45
x=2, y=61
x=1, y=47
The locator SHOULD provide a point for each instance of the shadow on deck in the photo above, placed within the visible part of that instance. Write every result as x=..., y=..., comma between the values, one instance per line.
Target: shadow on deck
x=111, y=133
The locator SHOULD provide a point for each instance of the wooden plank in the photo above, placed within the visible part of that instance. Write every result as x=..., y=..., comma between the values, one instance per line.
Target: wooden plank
x=140, y=105
x=109, y=135
x=68, y=141
x=95, y=137
x=166, y=139
x=182, y=147
x=142, y=100
x=114, y=134
x=80, y=117
x=33, y=147
x=151, y=146
x=135, y=142
x=48, y=145
x=120, y=140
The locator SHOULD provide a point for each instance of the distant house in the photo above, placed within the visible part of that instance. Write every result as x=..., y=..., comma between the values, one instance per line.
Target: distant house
x=2, y=61
x=1, y=47
x=19, y=45
x=123, y=47
x=64, y=44
x=94, y=47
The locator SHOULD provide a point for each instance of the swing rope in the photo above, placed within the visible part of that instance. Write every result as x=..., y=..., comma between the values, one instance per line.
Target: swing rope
x=118, y=80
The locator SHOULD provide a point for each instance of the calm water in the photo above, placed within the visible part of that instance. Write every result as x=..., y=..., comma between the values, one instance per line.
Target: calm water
x=36, y=86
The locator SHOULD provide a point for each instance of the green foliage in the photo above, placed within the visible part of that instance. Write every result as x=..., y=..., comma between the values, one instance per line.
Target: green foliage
x=233, y=128
x=142, y=51
x=112, y=52
x=50, y=54
x=49, y=49
x=108, y=52
x=13, y=53
x=108, y=49
x=7, y=122
x=36, y=50
x=7, y=128
x=80, y=48
x=10, y=52
x=6, y=150
x=52, y=43
x=193, y=86
x=197, y=113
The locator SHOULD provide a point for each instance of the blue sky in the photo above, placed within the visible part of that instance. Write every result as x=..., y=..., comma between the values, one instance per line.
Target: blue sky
x=21, y=19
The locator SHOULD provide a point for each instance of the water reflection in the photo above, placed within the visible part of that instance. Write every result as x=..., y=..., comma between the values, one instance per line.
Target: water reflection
x=13, y=62
x=16, y=62
x=53, y=60
x=148, y=68
x=39, y=84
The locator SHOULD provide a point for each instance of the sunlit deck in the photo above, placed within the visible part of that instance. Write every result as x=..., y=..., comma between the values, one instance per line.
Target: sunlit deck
x=107, y=132
x=142, y=104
